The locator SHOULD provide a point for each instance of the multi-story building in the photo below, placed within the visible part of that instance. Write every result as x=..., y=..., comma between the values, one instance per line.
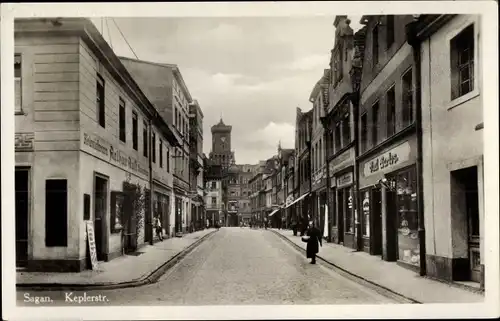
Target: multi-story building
x=387, y=162
x=196, y=165
x=258, y=196
x=221, y=153
x=213, y=200
x=446, y=56
x=90, y=149
x=319, y=99
x=288, y=172
x=171, y=98
x=303, y=201
x=279, y=217
x=346, y=63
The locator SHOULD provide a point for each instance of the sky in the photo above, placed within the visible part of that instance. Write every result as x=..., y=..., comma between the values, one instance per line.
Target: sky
x=253, y=71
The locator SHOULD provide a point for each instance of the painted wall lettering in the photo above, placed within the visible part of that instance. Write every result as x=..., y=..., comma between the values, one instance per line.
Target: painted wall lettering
x=398, y=155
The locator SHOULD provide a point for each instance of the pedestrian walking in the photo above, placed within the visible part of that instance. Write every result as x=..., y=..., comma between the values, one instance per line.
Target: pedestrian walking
x=294, y=228
x=313, y=239
x=158, y=228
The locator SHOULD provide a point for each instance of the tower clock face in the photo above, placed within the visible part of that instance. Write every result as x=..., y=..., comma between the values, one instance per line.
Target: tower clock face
x=223, y=139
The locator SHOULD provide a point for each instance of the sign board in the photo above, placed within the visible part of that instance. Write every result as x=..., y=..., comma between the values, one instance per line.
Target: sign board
x=345, y=180
x=91, y=241
x=388, y=160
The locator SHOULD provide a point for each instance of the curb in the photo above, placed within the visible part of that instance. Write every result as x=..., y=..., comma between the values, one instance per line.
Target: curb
x=355, y=276
x=149, y=278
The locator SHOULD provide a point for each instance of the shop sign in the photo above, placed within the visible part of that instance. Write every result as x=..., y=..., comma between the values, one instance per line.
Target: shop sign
x=388, y=160
x=92, y=247
x=341, y=161
x=345, y=180
x=113, y=154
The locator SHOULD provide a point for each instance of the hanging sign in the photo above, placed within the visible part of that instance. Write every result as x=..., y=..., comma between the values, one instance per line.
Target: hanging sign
x=91, y=242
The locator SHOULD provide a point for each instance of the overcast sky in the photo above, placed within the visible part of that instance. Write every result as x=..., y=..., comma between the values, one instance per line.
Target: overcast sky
x=253, y=71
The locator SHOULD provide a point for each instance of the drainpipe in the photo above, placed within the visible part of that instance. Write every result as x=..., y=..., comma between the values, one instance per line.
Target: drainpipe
x=416, y=45
x=149, y=221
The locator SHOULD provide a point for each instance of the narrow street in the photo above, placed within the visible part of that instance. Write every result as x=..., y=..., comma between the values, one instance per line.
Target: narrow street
x=244, y=266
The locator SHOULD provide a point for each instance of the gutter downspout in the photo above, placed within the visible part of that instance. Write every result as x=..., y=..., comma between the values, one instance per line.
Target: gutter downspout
x=415, y=42
x=149, y=221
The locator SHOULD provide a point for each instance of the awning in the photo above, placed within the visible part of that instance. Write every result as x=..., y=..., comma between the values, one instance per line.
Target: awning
x=274, y=212
x=298, y=199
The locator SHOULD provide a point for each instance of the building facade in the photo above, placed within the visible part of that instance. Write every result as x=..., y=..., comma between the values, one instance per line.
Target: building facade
x=196, y=166
x=213, y=200
x=221, y=153
x=172, y=101
x=76, y=158
x=451, y=104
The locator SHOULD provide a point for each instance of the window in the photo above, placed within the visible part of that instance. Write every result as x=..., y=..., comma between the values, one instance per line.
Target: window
x=214, y=200
x=375, y=111
x=153, y=147
x=101, y=111
x=161, y=153
x=364, y=133
x=145, y=139
x=390, y=30
x=391, y=112
x=365, y=207
x=56, y=212
x=407, y=98
x=462, y=63
x=135, y=131
x=175, y=117
x=375, y=46
x=346, y=130
x=337, y=137
x=18, y=83
x=214, y=185
x=168, y=160
x=122, y=120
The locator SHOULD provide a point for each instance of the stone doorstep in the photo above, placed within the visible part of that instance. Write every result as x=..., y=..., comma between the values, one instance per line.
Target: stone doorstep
x=152, y=250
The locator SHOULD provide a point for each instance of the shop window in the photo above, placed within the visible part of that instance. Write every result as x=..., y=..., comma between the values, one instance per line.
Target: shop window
x=364, y=132
x=153, y=147
x=347, y=205
x=101, y=106
x=462, y=62
x=116, y=212
x=135, y=131
x=391, y=112
x=375, y=120
x=56, y=212
x=145, y=139
x=365, y=209
x=406, y=202
x=18, y=83
x=390, y=30
x=375, y=46
x=121, y=120
x=161, y=153
x=346, y=130
x=407, y=98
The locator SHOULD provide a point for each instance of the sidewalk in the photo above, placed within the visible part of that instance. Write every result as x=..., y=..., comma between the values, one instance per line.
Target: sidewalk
x=124, y=271
x=388, y=275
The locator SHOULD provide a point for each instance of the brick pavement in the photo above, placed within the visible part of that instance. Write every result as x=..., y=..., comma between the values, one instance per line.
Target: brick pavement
x=388, y=274
x=126, y=268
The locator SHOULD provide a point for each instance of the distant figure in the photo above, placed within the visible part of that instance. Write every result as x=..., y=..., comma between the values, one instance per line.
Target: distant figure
x=294, y=228
x=208, y=224
x=158, y=228
x=313, y=239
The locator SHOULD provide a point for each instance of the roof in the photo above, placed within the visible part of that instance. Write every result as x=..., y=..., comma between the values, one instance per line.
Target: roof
x=85, y=29
x=320, y=86
x=220, y=126
x=175, y=70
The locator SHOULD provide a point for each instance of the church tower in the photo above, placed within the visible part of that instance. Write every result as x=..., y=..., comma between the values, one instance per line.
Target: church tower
x=221, y=153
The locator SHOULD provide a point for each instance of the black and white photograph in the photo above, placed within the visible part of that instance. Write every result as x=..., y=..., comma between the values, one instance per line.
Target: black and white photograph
x=250, y=160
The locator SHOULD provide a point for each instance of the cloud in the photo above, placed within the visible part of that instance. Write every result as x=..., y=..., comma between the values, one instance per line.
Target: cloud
x=312, y=62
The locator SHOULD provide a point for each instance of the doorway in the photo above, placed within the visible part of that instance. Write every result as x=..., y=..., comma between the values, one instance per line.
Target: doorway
x=100, y=207
x=465, y=212
x=391, y=221
x=340, y=214
x=22, y=198
x=377, y=221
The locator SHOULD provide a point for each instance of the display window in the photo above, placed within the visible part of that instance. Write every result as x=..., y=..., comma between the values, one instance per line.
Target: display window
x=406, y=204
x=365, y=210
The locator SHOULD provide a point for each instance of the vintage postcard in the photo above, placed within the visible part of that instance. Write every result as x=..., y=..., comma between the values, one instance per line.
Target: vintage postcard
x=253, y=160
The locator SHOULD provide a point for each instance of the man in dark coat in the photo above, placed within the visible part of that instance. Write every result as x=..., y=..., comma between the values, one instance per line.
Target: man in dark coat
x=312, y=247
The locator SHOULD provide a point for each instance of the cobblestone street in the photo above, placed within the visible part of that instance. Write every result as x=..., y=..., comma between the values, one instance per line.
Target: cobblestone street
x=243, y=266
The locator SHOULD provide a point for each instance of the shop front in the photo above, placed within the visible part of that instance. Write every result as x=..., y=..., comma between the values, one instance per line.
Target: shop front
x=340, y=198
x=161, y=209
x=319, y=198
x=388, y=203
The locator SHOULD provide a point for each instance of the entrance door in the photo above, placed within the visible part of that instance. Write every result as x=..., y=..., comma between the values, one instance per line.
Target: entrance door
x=22, y=215
x=340, y=214
x=391, y=226
x=376, y=204
x=100, y=203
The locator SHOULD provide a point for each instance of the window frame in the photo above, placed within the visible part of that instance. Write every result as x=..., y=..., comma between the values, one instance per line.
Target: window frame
x=375, y=110
x=375, y=46
x=135, y=130
x=160, y=152
x=145, y=139
x=404, y=97
x=101, y=101
x=18, y=60
x=390, y=30
x=122, y=124
x=363, y=135
x=346, y=128
x=394, y=122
